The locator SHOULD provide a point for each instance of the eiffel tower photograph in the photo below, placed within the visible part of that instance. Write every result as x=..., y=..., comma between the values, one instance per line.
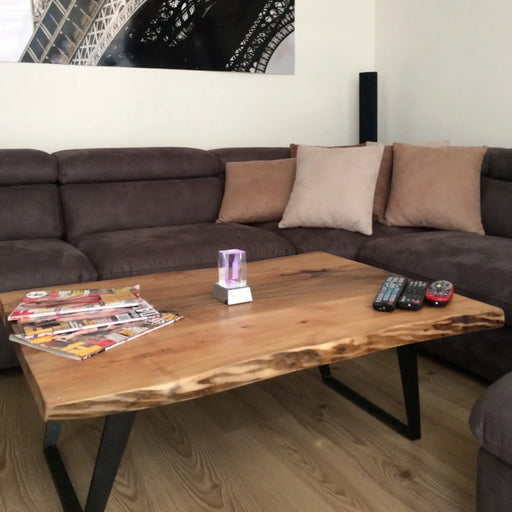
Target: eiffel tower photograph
x=255, y=36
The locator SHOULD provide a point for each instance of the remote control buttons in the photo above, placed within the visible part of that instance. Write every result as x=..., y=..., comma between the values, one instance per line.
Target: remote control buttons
x=389, y=293
x=439, y=293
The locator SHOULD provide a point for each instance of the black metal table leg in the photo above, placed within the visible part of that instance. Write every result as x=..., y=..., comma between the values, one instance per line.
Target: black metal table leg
x=408, y=364
x=409, y=376
x=116, y=431
x=60, y=476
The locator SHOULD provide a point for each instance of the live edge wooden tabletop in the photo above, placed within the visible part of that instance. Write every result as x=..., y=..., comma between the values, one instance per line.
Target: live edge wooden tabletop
x=307, y=310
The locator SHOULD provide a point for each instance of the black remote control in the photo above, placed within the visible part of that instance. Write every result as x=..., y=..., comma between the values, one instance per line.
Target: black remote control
x=413, y=296
x=389, y=293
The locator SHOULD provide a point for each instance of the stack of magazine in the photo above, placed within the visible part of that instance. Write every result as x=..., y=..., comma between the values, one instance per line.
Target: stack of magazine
x=82, y=323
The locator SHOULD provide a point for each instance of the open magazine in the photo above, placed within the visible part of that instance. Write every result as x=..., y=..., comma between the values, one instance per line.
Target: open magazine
x=86, y=343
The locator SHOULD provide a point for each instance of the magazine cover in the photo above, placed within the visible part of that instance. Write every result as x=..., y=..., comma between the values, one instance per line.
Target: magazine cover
x=54, y=304
x=84, y=320
x=82, y=344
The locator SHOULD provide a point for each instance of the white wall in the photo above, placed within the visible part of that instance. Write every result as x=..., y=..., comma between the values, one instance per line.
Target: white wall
x=445, y=70
x=54, y=107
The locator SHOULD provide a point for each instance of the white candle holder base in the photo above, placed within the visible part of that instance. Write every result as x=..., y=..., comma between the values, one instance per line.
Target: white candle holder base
x=232, y=296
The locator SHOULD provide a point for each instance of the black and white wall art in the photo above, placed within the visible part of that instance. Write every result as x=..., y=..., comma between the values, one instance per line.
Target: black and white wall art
x=255, y=36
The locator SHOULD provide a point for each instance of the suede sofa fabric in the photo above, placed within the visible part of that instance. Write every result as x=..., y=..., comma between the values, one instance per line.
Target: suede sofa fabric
x=29, y=197
x=30, y=211
x=339, y=242
x=32, y=253
x=257, y=190
x=436, y=187
x=450, y=255
x=105, y=207
x=23, y=166
x=383, y=183
x=107, y=190
x=334, y=188
x=493, y=489
x=42, y=262
x=129, y=164
x=250, y=153
x=491, y=419
x=160, y=249
x=491, y=424
x=496, y=192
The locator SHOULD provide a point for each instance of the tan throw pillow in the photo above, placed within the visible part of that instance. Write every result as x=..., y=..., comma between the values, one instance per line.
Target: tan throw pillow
x=334, y=188
x=436, y=188
x=256, y=191
x=383, y=187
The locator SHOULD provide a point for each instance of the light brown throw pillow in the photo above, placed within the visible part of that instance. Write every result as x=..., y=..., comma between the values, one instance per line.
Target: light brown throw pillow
x=334, y=188
x=383, y=187
x=256, y=191
x=436, y=188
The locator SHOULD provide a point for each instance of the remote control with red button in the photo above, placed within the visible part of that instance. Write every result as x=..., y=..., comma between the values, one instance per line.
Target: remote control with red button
x=439, y=293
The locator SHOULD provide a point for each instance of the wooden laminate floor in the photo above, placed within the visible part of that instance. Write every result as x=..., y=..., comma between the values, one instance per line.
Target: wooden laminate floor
x=285, y=445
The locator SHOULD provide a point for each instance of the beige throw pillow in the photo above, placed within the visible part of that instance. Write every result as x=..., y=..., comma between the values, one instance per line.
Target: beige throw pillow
x=256, y=191
x=436, y=188
x=334, y=188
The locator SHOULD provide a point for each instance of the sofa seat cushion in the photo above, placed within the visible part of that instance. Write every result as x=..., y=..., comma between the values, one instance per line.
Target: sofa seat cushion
x=144, y=251
x=478, y=266
x=339, y=242
x=42, y=262
x=491, y=419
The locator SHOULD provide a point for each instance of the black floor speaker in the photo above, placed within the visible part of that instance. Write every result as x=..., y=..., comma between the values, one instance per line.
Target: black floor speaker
x=367, y=106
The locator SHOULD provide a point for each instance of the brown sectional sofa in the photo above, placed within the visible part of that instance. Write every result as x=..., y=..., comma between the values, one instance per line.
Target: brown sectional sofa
x=81, y=215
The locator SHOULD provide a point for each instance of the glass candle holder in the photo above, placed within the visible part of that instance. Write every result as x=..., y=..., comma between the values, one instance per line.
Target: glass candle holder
x=232, y=265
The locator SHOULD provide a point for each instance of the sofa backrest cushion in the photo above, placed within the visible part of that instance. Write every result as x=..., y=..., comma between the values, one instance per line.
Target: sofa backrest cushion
x=30, y=211
x=29, y=198
x=107, y=190
x=26, y=166
x=100, y=208
x=132, y=164
x=497, y=192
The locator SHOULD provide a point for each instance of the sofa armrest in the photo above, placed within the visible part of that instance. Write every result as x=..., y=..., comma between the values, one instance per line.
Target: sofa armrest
x=491, y=419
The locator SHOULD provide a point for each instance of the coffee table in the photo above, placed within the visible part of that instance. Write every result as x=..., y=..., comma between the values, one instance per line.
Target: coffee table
x=309, y=310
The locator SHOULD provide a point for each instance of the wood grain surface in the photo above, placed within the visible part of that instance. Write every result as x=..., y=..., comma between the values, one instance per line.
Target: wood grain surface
x=307, y=310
